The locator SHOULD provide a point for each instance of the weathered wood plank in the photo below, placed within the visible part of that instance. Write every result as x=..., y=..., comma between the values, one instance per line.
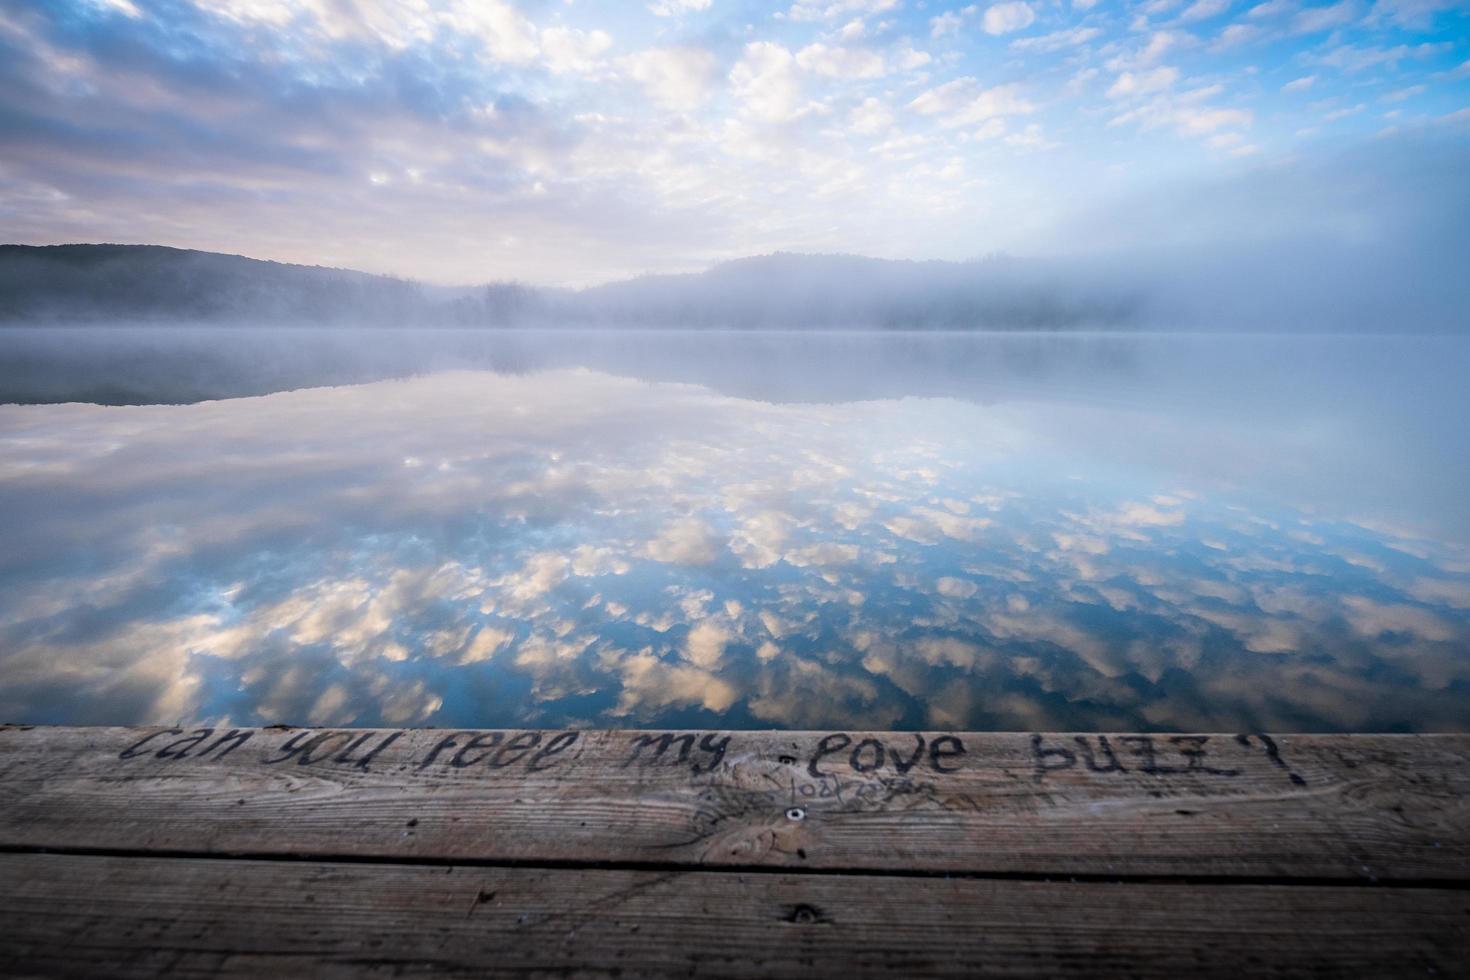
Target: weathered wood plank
x=1384, y=807
x=126, y=917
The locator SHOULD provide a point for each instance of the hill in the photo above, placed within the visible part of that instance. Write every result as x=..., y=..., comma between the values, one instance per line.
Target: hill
x=155, y=284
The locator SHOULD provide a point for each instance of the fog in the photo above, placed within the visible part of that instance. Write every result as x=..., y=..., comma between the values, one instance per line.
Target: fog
x=1368, y=237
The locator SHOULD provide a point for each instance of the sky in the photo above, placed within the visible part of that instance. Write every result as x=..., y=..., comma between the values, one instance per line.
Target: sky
x=570, y=143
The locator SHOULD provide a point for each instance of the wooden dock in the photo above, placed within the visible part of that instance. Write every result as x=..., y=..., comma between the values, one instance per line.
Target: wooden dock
x=320, y=853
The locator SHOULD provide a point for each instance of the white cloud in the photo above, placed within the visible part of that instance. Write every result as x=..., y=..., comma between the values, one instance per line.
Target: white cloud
x=487, y=642
x=765, y=82
x=871, y=117
x=569, y=50
x=679, y=78
x=1161, y=43
x=705, y=645
x=841, y=62
x=910, y=58
x=124, y=7
x=672, y=8
x=1350, y=58
x=1410, y=14
x=689, y=541
x=1204, y=10
x=1372, y=619
x=1201, y=121
x=955, y=588
x=946, y=23
x=833, y=9
x=539, y=575
x=990, y=129
x=1130, y=84
x=1236, y=35
x=649, y=683
x=1343, y=113
x=1004, y=18
x=1030, y=138
x=1403, y=94
x=1313, y=20
x=1188, y=114
x=964, y=102
x=1057, y=40
x=1300, y=84
x=505, y=32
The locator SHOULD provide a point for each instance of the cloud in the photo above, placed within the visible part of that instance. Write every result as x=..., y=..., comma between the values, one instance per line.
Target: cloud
x=955, y=588
x=910, y=58
x=688, y=541
x=1313, y=20
x=765, y=82
x=1057, y=40
x=488, y=641
x=679, y=78
x=805, y=10
x=570, y=50
x=1005, y=18
x=1204, y=10
x=673, y=8
x=1410, y=14
x=1353, y=59
x=1271, y=9
x=1374, y=619
x=705, y=645
x=841, y=62
x=1187, y=112
x=1129, y=84
x=870, y=117
x=648, y=684
x=1030, y=138
x=508, y=36
x=945, y=24
x=964, y=102
x=1235, y=35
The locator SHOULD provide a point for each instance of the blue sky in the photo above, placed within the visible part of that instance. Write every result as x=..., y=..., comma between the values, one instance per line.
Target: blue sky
x=571, y=142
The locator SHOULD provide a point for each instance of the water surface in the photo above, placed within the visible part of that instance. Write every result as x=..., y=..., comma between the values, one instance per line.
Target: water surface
x=736, y=530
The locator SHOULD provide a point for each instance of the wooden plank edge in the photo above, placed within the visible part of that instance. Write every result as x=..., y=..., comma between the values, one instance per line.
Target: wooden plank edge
x=123, y=917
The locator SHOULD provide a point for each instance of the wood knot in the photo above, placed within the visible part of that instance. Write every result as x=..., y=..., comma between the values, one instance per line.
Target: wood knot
x=804, y=914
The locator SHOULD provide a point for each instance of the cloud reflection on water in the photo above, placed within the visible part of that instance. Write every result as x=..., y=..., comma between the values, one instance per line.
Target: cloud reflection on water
x=574, y=548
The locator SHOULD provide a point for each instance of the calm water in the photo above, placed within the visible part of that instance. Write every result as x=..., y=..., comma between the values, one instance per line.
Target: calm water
x=735, y=530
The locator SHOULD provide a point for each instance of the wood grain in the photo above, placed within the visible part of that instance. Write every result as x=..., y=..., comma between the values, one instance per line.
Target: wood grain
x=145, y=917
x=1385, y=808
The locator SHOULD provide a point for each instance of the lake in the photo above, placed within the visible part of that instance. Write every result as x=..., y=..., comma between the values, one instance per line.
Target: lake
x=735, y=530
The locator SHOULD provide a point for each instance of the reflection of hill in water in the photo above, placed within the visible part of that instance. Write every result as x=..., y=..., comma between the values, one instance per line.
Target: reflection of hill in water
x=174, y=365
x=570, y=548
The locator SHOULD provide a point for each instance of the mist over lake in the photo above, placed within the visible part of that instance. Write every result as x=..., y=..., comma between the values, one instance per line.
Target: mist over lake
x=1076, y=531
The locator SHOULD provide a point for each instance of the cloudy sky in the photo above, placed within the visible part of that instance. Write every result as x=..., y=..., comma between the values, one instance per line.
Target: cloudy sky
x=573, y=142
